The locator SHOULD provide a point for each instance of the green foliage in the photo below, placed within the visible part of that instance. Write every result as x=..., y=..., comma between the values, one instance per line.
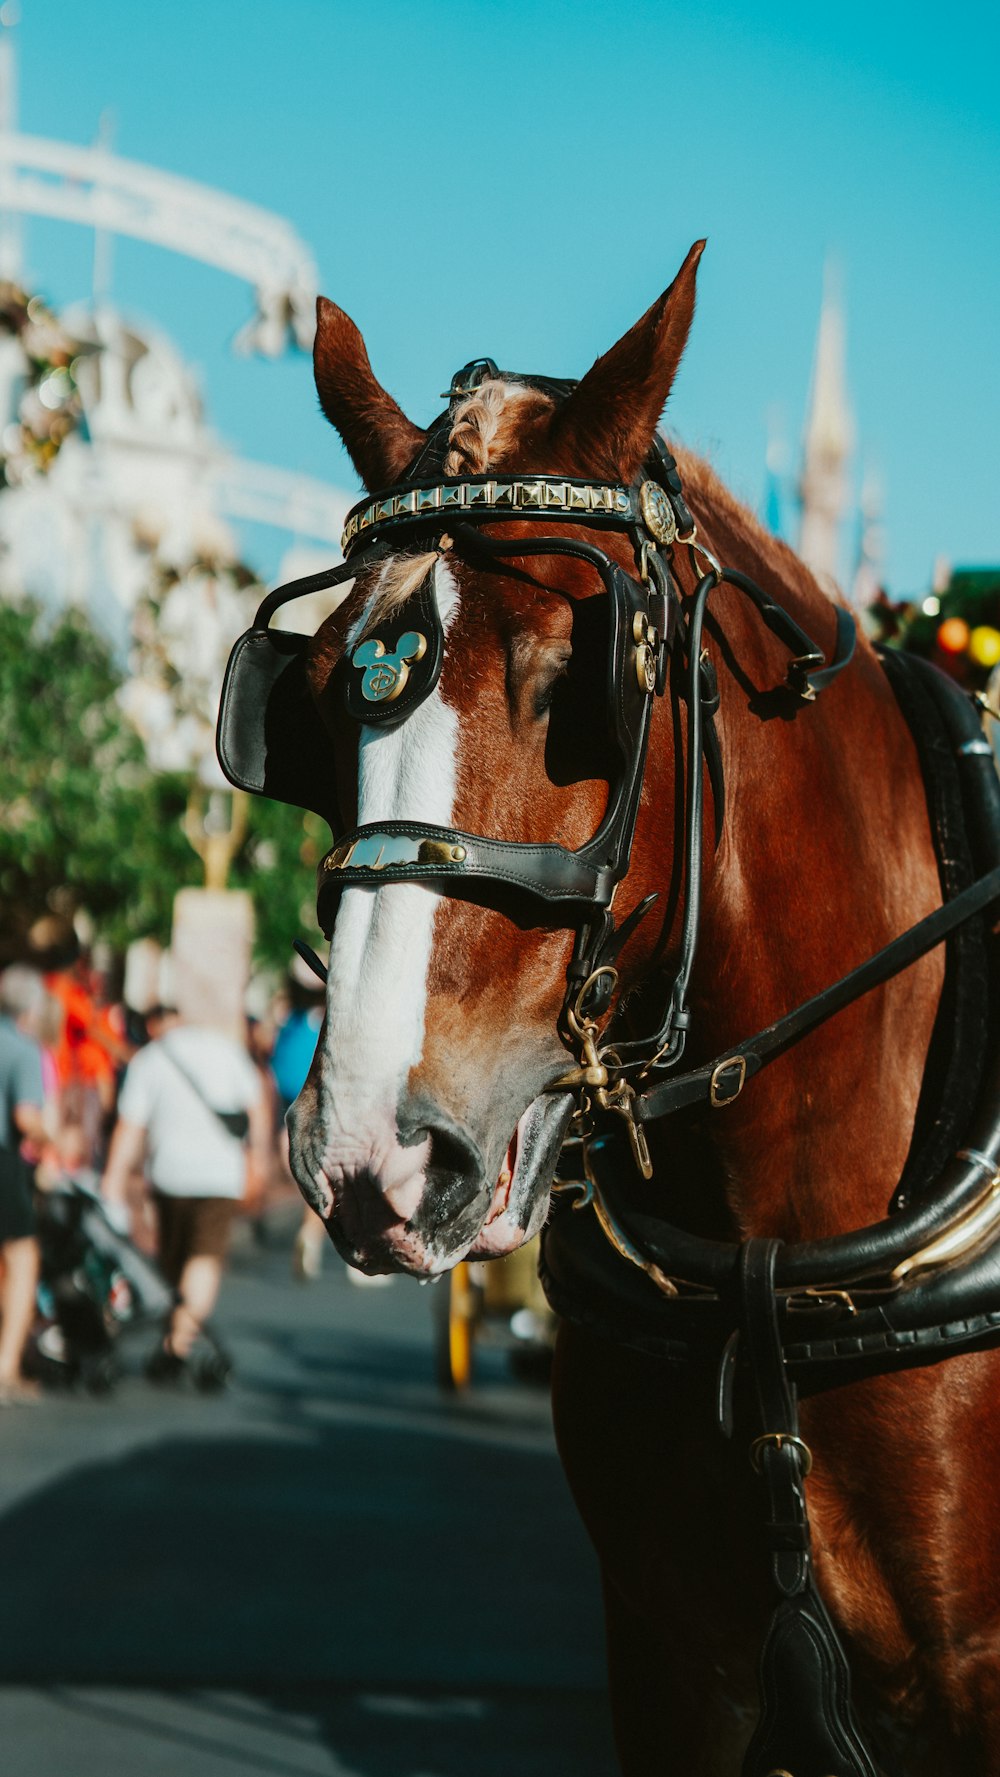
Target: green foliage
x=277, y=864
x=83, y=821
x=86, y=824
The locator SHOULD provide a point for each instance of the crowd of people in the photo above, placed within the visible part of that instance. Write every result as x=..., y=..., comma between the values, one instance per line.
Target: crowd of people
x=173, y=1128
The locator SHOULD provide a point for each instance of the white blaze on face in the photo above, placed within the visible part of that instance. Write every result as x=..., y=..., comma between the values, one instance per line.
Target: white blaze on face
x=382, y=938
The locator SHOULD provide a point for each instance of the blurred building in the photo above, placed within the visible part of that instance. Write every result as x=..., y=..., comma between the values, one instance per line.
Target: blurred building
x=116, y=490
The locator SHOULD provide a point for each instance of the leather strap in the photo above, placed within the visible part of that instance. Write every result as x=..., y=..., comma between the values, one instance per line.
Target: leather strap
x=806, y=1723
x=720, y=1081
x=777, y=1452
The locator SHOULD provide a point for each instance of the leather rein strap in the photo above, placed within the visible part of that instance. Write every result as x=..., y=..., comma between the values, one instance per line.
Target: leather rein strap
x=806, y=1721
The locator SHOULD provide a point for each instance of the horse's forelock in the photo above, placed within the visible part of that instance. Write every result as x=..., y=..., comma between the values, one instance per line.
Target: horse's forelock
x=485, y=426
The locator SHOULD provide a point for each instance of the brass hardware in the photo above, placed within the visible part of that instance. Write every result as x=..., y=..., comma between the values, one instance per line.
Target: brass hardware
x=439, y=851
x=543, y=493
x=716, y=1098
x=961, y=1238
x=623, y=1245
x=576, y=1016
x=339, y=857
x=657, y=512
x=594, y=1070
x=386, y=851
x=779, y=1439
x=698, y=548
x=621, y=1100
x=385, y=675
x=983, y=703
x=647, y=641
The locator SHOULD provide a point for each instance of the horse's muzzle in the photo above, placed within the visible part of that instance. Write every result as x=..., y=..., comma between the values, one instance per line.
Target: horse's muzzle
x=408, y=1193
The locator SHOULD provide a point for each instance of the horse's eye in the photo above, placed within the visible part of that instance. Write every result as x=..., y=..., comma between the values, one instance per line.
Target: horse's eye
x=545, y=690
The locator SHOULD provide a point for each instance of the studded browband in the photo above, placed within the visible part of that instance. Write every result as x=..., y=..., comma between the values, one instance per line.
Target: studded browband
x=646, y=506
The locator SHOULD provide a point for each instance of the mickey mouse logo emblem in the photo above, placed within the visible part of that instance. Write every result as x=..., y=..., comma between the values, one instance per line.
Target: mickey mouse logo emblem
x=386, y=674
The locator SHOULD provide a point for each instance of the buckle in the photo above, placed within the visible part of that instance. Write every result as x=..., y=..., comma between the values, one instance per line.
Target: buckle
x=725, y=1086
x=780, y=1439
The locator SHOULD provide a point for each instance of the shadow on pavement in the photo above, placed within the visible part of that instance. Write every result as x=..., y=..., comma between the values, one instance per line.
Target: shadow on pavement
x=407, y=1581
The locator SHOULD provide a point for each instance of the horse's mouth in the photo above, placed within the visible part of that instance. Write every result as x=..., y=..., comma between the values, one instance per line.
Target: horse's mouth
x=520, y=1197
x=426, y=1247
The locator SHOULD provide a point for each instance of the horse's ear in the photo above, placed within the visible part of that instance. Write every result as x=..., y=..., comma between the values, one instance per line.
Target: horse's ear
x=380, y=439
x=606, y=426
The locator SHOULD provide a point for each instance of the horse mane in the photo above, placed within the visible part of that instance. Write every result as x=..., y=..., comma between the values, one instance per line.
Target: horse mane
x=736, y=532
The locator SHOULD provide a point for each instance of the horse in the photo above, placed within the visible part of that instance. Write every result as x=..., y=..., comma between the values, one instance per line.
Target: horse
x=430, y=1127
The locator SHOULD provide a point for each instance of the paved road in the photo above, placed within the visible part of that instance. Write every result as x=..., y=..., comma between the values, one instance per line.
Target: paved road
x=331, y=1569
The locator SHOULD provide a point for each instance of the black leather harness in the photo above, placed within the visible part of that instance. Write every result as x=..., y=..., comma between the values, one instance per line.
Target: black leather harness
x=767, y=1318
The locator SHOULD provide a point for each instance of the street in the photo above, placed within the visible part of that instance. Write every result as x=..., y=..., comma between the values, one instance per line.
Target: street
x=332, y=1568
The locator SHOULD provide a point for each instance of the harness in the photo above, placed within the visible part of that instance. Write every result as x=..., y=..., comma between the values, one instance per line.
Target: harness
x=763, y=1317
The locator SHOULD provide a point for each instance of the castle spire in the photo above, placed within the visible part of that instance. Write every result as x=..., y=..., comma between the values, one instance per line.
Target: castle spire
x=828, y=442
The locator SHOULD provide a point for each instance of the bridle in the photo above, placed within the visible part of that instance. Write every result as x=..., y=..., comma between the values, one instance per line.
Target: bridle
x=647, y=625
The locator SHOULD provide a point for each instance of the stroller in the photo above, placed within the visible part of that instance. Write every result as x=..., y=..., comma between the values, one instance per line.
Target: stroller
x=94, y=1287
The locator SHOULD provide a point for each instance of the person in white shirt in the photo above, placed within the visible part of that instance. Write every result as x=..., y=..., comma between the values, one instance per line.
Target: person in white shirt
x=191, y=1103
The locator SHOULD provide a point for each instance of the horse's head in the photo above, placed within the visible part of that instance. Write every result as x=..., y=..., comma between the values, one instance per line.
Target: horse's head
x=427, y=1130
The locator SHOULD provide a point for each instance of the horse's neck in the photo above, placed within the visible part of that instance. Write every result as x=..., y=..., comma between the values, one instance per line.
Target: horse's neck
x=826, y=856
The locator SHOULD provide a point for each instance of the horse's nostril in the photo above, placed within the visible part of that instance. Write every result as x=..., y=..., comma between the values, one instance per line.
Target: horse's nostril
x=455, y=1152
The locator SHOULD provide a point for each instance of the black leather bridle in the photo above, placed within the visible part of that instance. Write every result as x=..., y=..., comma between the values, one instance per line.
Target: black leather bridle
x=647, y=624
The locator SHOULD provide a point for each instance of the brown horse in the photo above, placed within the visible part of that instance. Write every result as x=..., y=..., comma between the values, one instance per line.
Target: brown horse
x=427, y=1131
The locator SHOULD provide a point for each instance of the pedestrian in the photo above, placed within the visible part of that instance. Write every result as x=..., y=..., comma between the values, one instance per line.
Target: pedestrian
x=291, y=1059
x=192, y=1107
x=22, y=1100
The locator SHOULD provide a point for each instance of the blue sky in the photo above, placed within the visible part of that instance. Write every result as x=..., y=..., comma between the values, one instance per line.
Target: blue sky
x=521, y=180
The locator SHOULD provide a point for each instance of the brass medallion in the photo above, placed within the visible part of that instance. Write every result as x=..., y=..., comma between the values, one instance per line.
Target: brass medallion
x=386, y=674
x=657, y=512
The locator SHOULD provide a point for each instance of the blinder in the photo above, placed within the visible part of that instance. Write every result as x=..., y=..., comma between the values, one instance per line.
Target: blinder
x=270, y=738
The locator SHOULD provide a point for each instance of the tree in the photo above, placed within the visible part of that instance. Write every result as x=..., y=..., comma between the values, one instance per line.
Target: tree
x=85, y=823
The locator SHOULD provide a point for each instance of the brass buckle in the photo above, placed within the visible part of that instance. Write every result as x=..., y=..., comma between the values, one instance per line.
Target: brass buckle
x=716, y=1096
x=696, y=547
x=779, y=1439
